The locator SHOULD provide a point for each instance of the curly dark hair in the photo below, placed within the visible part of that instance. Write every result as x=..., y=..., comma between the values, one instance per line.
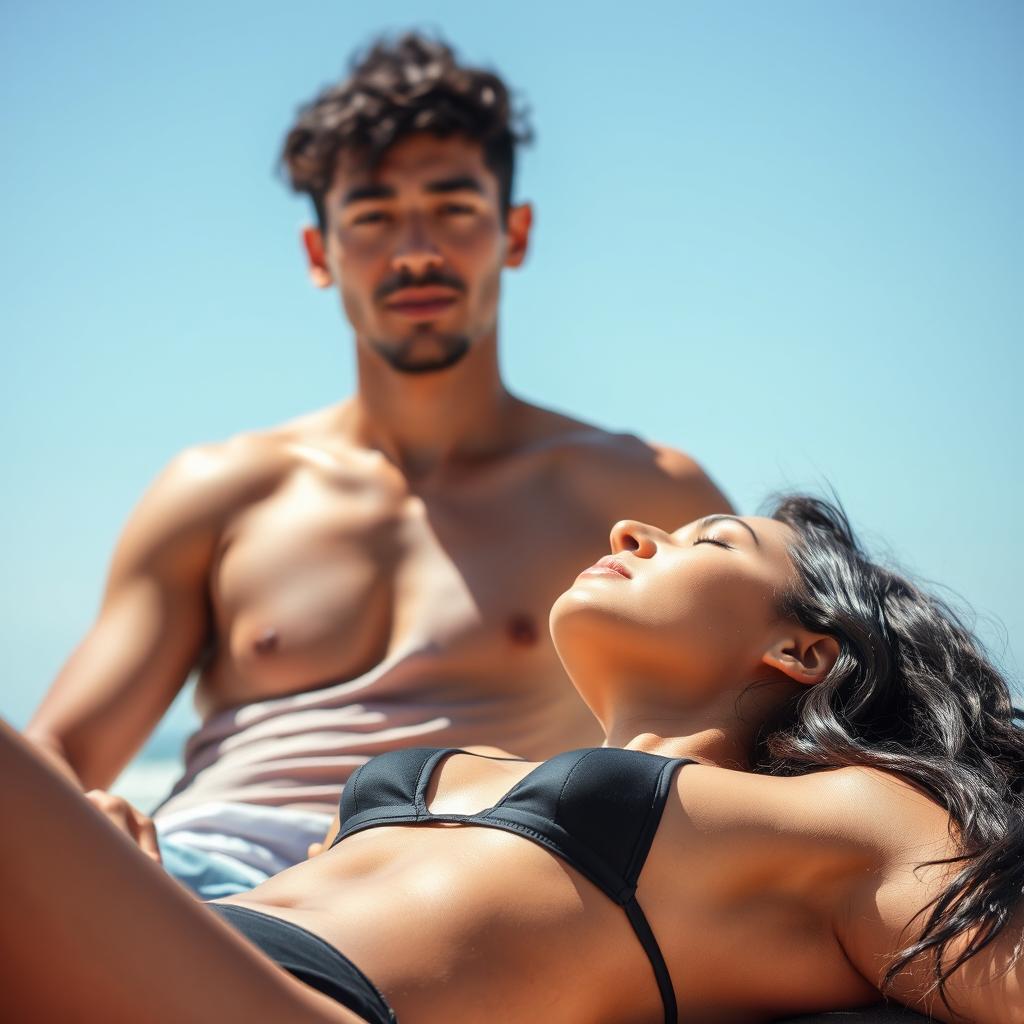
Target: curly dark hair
x=395, y=89
x=911, y=693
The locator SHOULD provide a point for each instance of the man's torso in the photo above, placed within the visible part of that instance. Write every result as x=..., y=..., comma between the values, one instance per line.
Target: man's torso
x=354, y=609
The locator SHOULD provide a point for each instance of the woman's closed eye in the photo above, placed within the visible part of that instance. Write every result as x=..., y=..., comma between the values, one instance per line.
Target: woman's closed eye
x=713, y=540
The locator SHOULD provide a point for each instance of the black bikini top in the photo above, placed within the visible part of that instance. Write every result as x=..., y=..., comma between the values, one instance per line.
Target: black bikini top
x=597, y=809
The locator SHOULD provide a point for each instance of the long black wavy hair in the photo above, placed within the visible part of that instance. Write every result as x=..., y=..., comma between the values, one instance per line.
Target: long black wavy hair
x=911, y=693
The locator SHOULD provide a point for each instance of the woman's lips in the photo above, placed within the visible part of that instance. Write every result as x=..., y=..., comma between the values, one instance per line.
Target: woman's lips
x=608, y=566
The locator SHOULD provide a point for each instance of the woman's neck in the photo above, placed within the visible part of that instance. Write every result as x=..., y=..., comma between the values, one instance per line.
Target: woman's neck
x=721, y=731
x=710, y=744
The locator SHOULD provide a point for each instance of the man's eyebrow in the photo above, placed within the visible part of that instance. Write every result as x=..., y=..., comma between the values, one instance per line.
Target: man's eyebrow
x=461, y=183
x=708, y=520
x=360, y=192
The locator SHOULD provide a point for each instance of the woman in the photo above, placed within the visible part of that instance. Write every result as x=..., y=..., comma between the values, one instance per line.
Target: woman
x=811, y=794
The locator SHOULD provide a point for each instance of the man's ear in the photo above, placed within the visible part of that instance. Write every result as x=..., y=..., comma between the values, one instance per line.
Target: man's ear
x=517, y=228
x=316, y=257
x=803, y=656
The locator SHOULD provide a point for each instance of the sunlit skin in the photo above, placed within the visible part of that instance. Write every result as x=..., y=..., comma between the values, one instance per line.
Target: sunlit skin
x=420, y=528
x=417, y=248
x=699, y=604
x=769, y=896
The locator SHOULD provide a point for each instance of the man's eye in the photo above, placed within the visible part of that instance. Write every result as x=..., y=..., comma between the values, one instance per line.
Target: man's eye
x=456, y=209
x=713, y=540
x=371, y=217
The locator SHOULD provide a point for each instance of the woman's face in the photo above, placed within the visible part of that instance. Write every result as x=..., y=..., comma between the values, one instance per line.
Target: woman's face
x=696, y=608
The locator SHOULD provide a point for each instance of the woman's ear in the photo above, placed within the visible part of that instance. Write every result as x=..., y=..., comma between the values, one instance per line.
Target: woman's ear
x=803, y=656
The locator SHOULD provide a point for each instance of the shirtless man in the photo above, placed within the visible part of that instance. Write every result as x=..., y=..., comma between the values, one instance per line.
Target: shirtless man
x=377, y=573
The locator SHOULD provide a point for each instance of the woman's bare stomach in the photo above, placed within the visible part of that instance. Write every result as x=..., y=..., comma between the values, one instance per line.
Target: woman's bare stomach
x=476, y=925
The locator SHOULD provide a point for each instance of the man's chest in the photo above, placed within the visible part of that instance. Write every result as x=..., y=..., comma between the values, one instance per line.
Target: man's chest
x=351, y=569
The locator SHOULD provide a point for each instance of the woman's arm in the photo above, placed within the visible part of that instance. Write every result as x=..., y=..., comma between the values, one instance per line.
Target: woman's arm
x=888, y=906
x=987, y=989
x=94, y=930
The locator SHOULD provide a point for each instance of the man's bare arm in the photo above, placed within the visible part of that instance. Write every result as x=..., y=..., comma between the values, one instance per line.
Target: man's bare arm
x=150, y=630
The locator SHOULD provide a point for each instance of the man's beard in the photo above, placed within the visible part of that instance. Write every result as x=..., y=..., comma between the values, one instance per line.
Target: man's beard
x=444, y=350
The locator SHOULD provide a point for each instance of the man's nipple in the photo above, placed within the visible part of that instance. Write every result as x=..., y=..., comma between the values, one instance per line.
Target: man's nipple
x=522, y=630
x=266, y=641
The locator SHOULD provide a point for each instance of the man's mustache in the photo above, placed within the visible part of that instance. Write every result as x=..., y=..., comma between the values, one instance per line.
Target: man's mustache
x=404, y=279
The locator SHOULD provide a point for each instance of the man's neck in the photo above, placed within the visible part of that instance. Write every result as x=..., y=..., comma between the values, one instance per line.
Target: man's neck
x=427, y=422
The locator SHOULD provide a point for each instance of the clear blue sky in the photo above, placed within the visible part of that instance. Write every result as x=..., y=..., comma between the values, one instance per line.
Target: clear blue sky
x=786, y=237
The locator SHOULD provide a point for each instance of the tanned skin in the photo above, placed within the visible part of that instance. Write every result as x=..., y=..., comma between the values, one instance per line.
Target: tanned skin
x=768, y=896
x=433, y=512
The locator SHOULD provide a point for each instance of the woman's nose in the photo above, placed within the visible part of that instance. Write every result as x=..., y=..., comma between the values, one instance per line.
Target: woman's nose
x=629, y=535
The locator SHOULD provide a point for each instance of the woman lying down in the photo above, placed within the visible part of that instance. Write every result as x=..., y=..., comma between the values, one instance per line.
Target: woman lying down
x=810, y=795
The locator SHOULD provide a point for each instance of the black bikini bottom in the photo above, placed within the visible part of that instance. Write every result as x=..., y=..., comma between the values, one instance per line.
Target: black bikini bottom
x=307, y=957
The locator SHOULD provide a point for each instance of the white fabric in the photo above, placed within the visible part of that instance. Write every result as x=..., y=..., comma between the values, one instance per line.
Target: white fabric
x=267, y=839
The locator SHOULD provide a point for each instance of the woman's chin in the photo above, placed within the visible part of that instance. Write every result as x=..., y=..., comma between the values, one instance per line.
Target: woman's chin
x=570, y=602
x=578, y=612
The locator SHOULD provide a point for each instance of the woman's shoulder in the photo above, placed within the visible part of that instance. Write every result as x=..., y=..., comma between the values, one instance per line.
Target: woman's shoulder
x=880, y=806
x=861, y=806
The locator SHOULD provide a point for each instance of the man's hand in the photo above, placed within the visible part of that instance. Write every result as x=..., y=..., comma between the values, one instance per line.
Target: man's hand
x=129, y=820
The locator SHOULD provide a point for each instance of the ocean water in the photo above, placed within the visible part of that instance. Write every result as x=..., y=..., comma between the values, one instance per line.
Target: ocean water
x=148, y=778
x=146, y=781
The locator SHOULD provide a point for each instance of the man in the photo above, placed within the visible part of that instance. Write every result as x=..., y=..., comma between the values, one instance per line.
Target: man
x=377, y=573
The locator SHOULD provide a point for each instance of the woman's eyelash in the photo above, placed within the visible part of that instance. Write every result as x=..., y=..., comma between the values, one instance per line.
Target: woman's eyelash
x=713, y=540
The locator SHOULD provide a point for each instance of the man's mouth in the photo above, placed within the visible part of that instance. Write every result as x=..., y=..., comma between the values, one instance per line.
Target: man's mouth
x=608, y=566
x=421, y=303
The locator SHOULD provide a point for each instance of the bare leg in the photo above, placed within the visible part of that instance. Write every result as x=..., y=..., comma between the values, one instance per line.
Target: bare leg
x=92, y=930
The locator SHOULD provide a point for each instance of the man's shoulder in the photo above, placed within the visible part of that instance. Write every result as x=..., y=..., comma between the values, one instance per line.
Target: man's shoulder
x=587, y=445
x=221, y=467
x=620, y=470
x=218, y=475
x=645, y=463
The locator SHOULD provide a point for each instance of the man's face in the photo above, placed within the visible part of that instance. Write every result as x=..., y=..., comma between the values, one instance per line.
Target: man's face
x=416, y=245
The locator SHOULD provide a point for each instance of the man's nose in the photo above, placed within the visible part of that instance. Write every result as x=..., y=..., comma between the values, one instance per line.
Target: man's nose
x=416, y=252
x=629, y=535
